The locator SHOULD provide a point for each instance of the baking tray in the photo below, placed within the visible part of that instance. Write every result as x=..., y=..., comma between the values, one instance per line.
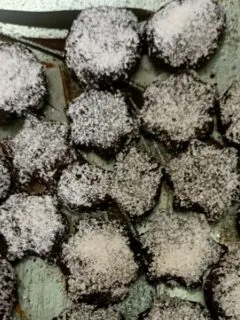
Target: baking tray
x=41, y=286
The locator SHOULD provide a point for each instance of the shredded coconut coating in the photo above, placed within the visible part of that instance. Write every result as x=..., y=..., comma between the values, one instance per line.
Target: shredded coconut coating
x=7, y=289
x=176, y=309
x=87, y=312
x=222, y=287
x=5, y=179
x=178, y=109
x=205, y=177
x=230, y=113
x=83, y=186
x=22, y=80
x=136, y=181
x=39, y=150
x=99, y=119
x=182, y=33
x=180, y=247
x=100, y=261
x=30, y=224
x=103, y=45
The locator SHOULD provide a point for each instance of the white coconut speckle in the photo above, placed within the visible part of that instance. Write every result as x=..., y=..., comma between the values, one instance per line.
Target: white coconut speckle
x=230, y=113
x=99, y=119
x=176, y=309
x=184, y=32
x=30, y=224
x=22, y=80
x=224, y=281
x=103, y=44
x=136, y=181
x=87, y=312
x=178, y=109
x=7, y=289
x=181, y=247
x=5, y=179
x=100, y=261
x=83, y=186
x=39, y=149
x=205, y=176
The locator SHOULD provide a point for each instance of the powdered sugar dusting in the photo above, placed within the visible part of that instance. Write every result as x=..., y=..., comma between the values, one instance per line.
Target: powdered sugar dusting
x=87, y=312
x=205, y=176
x=7, y=289
x=82, y=186
x=99, y=119
x=30, y=224
x=230, y=113
x=5, y=179
x=103, y=44
x=178, y=109
x=136, y=180
x=39, y=149
x=225, y=283
x=22, y=80
x=180, y=247
x=100, y=260
x=183, y=32
x=177, y=309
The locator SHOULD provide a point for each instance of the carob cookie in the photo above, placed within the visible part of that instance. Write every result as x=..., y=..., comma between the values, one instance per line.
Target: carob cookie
x=5, y=179
x=179, y=247
x=83, y=186
x=136, y=182
x=222, y=288
x=30, y=225
x=205, y=178
x=7, y=289
x=87, y=312
x=178, y=109
x=176, y=309
x=39, y=151
x=22, y=81
x=183, y=33
x=103, y=45
x=100, y=120
x=100, y=262
x=230, y=113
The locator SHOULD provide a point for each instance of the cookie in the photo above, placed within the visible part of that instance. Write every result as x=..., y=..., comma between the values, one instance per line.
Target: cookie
x=5, y=179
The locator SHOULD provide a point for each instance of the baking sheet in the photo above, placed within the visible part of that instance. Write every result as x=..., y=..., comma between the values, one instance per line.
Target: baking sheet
x=41, y=287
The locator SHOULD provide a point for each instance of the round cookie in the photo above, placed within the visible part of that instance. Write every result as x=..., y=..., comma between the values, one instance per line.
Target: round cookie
x=100, y=262
x=30, y=225
x=230, y=113
x=39, y=151
x=100, y=120
x=136, y=182
x=183, y=33
x=87, y=312
x=176, y=309
x=103, y=45
x=222, y=287
x=83, y=186
x=7, y=289
x=179, y=247
x=5, y=179
x=178, y=109
x=22, y=81
x=205, y=179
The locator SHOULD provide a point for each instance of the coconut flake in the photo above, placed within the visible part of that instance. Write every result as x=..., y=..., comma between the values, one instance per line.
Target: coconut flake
x=180, y=246
x=99, y=260
x=178, y=109
x=183, y=32
x=103, y=44
x=30, y=224
x=22, y=79
x=205, y=176
x=5, y=179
